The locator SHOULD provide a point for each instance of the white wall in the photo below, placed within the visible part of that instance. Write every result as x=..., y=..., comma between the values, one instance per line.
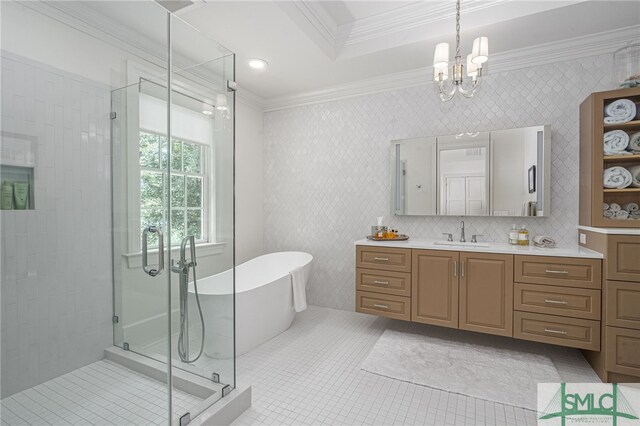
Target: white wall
x=327, y=165
x=56, y=259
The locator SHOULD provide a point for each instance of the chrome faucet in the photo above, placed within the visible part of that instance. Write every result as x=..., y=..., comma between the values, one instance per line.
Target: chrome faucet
x=462, y=239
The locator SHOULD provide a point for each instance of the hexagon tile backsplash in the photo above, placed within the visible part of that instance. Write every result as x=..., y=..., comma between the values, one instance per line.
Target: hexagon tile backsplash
x=327, y=165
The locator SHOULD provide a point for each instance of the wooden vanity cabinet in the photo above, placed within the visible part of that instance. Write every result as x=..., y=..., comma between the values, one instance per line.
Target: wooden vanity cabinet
x=486, y=293
x=434, y=287
x=549, y=299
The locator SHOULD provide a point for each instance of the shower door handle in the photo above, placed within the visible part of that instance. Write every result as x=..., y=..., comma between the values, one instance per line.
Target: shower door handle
x=153, y=272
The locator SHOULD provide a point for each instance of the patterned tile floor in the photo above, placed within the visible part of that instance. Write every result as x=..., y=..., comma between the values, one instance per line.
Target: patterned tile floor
x=311, y=375
x=102, y=393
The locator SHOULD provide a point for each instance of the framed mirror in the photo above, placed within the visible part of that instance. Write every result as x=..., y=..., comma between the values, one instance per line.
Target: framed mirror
x=496, y=173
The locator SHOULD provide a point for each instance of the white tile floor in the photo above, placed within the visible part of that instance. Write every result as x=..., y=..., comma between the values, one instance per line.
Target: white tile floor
x=311, y=374
x=102, y=393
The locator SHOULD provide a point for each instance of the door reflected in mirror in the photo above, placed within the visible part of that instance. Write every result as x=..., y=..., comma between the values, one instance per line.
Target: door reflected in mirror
x=496, y=173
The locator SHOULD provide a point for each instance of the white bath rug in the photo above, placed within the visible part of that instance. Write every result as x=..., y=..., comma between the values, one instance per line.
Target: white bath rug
x=482, y=366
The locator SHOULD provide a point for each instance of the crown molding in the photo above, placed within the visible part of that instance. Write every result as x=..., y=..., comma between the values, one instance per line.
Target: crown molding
x=569, y=49
x=315, y=22
x=404, y=19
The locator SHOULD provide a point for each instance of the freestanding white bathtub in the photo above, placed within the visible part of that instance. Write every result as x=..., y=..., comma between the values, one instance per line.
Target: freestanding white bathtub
x=264, y=302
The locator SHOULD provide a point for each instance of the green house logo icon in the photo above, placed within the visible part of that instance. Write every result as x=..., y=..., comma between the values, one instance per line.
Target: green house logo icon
x=565, y=405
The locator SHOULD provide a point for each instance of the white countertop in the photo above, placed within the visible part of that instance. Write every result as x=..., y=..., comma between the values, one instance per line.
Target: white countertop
x=503, y=248
x=611, y=231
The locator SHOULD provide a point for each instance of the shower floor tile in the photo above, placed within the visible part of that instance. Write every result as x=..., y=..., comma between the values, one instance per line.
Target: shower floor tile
x=310, y=375
x=101, y=393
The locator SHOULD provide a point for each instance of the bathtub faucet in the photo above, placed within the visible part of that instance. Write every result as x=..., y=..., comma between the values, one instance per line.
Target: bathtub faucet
x=181, y=267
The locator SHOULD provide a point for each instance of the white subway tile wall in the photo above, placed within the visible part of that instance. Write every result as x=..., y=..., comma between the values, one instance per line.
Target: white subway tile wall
x=327, y=165
x=56, y=260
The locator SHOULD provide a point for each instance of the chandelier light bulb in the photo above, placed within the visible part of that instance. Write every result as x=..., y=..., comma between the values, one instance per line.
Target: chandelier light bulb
x=480, y=50
x=441, y=56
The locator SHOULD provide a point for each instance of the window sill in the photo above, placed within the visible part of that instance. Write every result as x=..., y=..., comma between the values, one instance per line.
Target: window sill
x=134, y=260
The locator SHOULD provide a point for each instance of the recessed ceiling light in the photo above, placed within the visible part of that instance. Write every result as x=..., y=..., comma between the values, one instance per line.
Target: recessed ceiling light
x=258, y=64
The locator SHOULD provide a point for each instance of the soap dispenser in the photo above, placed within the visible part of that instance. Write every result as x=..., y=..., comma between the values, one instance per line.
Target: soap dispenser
x=523, y=236
x=513, y=235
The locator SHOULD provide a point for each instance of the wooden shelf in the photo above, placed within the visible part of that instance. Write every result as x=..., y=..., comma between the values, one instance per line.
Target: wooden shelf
x=593, y=161
x=621, y=190
x=629, y=125
x=622, y=157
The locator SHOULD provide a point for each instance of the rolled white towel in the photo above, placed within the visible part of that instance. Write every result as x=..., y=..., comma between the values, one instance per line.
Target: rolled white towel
x=605, y=206
x=609, y=214
x=544, y=241
x=622, y=214
x=617, y=177
x=614, y=207
x=620, y=111
x=635, y=215
x=616, y=143
x=634, y=143
x=634, y=171
x=630, y=207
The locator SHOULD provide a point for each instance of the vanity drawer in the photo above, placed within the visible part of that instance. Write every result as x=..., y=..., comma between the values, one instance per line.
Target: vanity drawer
x=565, y=301
x=385, y=305
x=623, y=258
x=398, y=283
x=559, y=271
x=622, y=304
x=563, y=331
x=623, y=351
x=388, y=259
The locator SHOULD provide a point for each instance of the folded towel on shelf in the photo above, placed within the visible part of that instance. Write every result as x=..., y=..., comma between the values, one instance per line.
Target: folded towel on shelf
x=544, y=241
x=299, y=282
x=630, y=207
x=620, y=111
x=622, y=214
x=605, y=206
x=609, y=214
x=616, y=143
x=634, y=143
x=614, y=207
x=634, y=171
x=617, y=177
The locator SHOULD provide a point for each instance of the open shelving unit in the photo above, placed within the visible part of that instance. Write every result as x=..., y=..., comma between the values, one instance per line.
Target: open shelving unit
x=593, y=162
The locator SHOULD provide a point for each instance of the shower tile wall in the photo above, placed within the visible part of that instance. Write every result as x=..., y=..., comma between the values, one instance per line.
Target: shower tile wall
x=327, y=165
x=56, y=259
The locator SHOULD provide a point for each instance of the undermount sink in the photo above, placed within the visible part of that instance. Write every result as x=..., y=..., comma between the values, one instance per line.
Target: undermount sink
x=461, y=244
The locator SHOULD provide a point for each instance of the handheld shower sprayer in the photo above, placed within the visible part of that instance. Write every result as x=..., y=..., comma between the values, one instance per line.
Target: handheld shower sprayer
x=181, y=267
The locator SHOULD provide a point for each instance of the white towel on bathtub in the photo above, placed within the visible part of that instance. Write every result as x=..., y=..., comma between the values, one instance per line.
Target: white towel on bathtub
x=299, y=282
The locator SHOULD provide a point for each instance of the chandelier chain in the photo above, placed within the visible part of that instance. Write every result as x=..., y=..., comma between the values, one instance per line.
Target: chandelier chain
x=458, y=28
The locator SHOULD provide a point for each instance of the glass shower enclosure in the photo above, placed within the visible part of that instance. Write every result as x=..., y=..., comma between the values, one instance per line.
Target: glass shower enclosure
x=117, y=219
x=172, y=131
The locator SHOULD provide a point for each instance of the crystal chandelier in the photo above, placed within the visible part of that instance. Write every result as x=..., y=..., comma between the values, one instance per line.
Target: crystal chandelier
x=478, y=56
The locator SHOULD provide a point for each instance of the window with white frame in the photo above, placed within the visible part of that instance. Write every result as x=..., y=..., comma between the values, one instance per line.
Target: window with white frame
x=190, y=204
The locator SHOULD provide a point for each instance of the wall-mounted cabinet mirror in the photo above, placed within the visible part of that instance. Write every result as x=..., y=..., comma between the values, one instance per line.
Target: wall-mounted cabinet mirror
x=496, y=173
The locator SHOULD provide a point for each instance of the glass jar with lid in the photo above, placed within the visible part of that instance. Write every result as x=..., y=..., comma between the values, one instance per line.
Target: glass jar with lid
x=627, y=65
